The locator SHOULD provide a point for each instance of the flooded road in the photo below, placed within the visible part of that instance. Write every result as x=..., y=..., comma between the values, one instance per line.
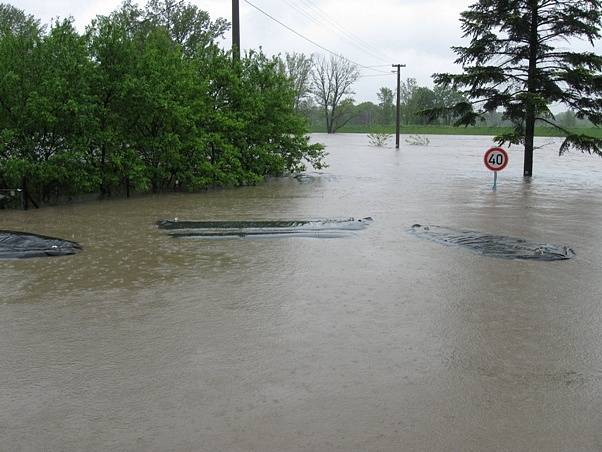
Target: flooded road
x=375, y=342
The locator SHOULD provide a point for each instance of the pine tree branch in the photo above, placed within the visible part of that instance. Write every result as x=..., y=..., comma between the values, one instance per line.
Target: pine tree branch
x=562, y=129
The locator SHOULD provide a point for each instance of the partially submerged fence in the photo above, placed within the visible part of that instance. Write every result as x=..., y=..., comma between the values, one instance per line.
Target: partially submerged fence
x=15, y=198
x=11, y=198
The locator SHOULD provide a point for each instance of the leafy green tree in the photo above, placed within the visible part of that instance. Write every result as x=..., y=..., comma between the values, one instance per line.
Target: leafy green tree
x=385, y=98
x=422, y=98
x=515, y=62
x=186, y=24
x=332, y=85
x=14, y=21
x=445, y=98
x=45, y=109
x=407, y=89
x=567, y=119
x=181, y=116
x=111, y=44
x=272, y=141
x=297, y=67
x=144, y=100
x=18, y=66
x=366, y=114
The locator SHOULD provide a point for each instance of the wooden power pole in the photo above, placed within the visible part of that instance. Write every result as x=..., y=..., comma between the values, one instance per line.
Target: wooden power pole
x=398, y=116
x=235, y=30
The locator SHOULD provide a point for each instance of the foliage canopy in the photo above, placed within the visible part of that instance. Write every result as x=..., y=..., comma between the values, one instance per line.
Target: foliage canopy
x=144, y=100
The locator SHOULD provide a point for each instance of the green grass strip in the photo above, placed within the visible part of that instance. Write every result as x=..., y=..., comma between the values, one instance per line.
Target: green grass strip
x=451, y=130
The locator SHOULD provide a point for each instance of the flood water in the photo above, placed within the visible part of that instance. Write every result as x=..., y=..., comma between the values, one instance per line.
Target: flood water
x=378, y=341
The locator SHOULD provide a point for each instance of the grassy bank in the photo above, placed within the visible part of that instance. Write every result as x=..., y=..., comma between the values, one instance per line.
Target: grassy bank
x=450, y=130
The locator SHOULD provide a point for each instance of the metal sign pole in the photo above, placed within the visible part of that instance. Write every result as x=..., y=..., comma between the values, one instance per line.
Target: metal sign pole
x=494, y=180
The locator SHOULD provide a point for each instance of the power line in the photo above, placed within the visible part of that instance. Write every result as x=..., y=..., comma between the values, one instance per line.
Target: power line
x=376, y=75
x=304, y=13
x=329, y=21
x=308, y=39
x=333, y=27
x=372, y=49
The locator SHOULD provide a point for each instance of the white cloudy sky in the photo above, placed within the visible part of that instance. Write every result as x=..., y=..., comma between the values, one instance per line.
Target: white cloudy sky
x=418, y=33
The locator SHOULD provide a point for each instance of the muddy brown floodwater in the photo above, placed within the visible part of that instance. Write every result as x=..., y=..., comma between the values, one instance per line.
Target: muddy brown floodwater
x=374, y=342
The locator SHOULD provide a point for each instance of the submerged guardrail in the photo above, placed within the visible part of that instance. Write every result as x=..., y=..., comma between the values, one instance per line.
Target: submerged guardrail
x=320, y=228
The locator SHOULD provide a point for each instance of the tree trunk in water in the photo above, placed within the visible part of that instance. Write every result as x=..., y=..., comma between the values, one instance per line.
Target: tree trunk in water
x=327, y=119
x=532, y=89
x=25, y=194
x=104, y=189
x=529, y=135
x=333, y=128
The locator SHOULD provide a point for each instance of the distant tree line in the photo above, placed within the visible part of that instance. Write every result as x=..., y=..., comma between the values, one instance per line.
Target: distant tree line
x=144, y=100
x=413, y=100
x=324, y=94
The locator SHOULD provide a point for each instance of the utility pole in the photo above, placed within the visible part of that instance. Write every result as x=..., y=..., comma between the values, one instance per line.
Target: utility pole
x=235, y=31
x=398, y=116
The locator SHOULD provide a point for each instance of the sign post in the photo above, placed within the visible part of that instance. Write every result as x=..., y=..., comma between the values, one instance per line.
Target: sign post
x=495, y=159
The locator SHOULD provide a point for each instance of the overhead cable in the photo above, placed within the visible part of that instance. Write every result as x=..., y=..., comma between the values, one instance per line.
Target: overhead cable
x=322, y=20
x=372, y=49
x=308, y=39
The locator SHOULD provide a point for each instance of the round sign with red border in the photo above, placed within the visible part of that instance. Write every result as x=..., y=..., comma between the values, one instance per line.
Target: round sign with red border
x=496, y=159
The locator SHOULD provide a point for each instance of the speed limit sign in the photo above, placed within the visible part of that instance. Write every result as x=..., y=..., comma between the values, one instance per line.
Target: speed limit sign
x=496, y=159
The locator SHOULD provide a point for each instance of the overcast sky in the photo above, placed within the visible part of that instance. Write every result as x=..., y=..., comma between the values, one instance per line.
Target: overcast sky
x=417, y=33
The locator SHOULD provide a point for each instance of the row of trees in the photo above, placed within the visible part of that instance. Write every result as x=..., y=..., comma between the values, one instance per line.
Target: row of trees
x=143, y=100
x=413, y=100
x=323, y=84
x=414, y=103
x=324, y=93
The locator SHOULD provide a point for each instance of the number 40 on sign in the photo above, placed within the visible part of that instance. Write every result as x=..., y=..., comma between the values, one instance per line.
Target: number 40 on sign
x=496, y=159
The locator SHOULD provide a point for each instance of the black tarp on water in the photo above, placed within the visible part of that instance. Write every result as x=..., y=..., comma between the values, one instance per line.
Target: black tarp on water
x=22, y=245
x=330, y=228
x=494, y=245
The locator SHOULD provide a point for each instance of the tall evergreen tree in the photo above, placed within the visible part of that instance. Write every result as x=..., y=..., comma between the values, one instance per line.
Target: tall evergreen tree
x=516, y=61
